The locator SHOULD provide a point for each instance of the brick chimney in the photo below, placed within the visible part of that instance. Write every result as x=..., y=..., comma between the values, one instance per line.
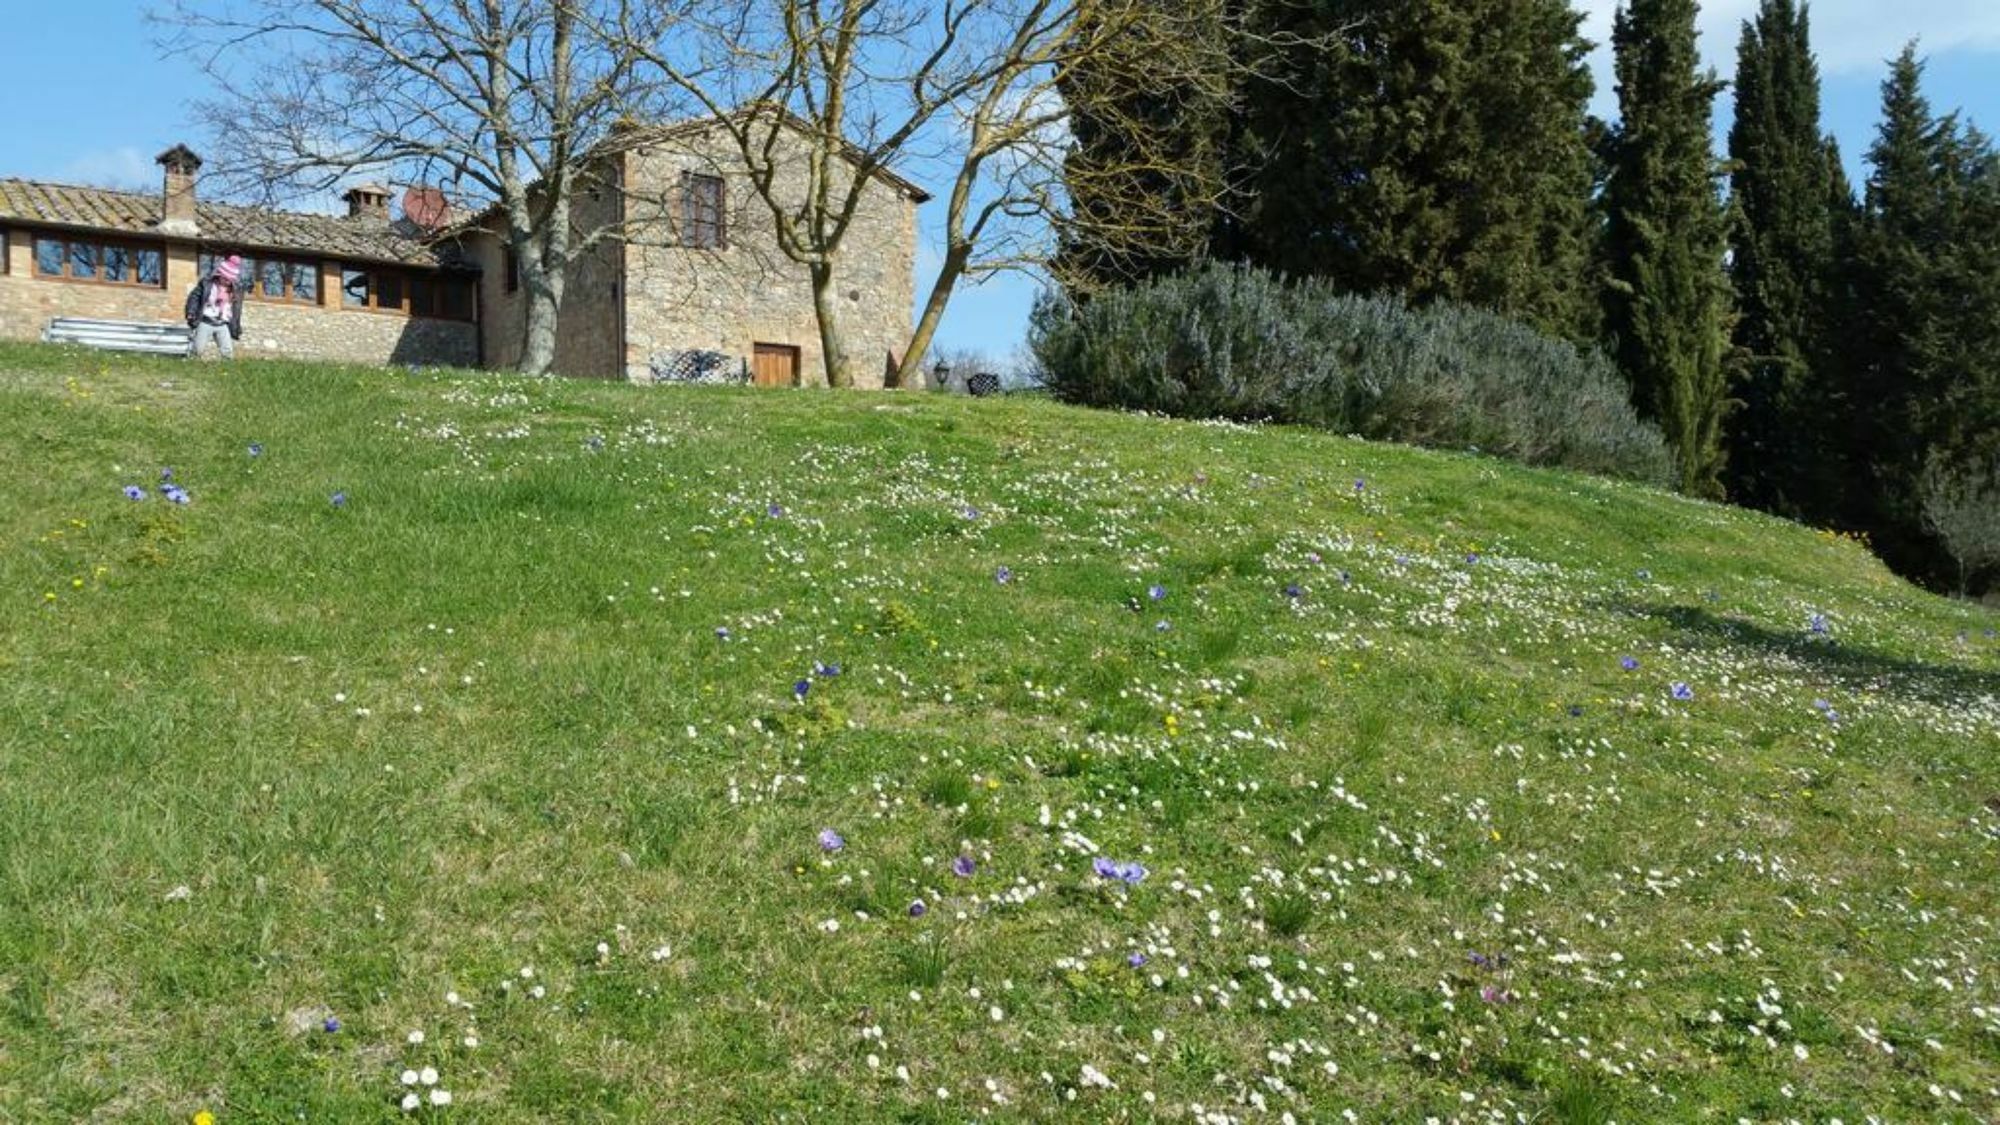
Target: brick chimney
x=177, y=194
x=367, y=201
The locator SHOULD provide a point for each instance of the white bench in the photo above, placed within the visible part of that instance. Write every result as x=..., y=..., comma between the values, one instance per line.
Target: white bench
x=119, y=335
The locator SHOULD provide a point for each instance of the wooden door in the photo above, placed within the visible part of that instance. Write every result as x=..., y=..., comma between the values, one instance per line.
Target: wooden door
x=775, y=365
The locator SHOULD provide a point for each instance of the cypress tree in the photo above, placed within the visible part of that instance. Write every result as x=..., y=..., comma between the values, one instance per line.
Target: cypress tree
x=1149, y=119
x=1925, y=380
x=1893, y=275
x=1781, y=246
x=1438, y=150
x=1667, y=310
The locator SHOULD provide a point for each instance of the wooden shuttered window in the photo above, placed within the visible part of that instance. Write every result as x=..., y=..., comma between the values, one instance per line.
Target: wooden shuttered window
x=704, y=222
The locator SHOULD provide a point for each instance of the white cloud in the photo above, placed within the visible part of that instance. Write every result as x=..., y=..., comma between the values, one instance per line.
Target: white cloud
x=122, y=167
x=1849, y=35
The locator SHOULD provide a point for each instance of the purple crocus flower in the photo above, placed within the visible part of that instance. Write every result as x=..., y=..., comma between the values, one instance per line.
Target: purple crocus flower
x=1156, y=592
x=918, y=909
x=722, y=632
x=134, y=492
x=1575, y=711
x=1136, y=960
x=1361, y=484
x=1313, y=557
x=800, y=688
x=1295, y=591
x=831, y=841
x=331, y=1025
x=1818, y=625
x=167, y=474
x=176, y=494
x=1645, y=575
x=1128, y=873
x=1682, y=692
x=970, y=512
x=340, y=499
x=1003, y=575
x=1163, y=626
x=775, y=511
x=963, y=867
x=1472, y=558
x=1629, y=663
x=1478, y=959
x=825, y=671
x=256, y=449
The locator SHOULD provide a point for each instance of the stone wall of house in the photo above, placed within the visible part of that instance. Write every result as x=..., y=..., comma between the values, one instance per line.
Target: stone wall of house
x=589, y=328
x=593, y=309
x=327, y=332
x=729, y=300
x=501, y=314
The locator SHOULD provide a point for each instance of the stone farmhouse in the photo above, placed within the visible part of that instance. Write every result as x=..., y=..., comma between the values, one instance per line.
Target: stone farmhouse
x=691, y=287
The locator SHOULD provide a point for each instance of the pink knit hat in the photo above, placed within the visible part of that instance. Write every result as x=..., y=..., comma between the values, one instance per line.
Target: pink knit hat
x=229, y=269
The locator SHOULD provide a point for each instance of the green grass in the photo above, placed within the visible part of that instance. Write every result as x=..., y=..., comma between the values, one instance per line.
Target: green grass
x=268, y=760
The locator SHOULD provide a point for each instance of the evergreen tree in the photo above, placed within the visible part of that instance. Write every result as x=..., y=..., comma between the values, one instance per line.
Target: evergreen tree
x=1668, y=304
x=1147, y=168
x=1781, y=246
x=1829, y=404
x=1925, y=381
x=1893, y=275
x=1436, y=150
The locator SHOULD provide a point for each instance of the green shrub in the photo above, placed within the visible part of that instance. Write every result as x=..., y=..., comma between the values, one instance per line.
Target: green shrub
x=1230, y=342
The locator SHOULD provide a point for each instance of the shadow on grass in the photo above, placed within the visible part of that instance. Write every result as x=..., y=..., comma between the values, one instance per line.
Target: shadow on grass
x=1851, y=666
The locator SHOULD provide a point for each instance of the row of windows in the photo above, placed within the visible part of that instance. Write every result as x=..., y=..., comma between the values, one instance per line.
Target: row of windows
x=413, y=294
x=108, y=262
x=291, y=280
x=281, y=280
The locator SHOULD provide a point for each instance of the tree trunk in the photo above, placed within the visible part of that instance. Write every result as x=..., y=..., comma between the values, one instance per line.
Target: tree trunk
x=909, y=373
x=544, y=268
x=538, y=352
x=832, y=348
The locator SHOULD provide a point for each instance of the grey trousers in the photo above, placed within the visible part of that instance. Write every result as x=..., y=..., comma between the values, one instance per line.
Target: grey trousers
x=204, y=332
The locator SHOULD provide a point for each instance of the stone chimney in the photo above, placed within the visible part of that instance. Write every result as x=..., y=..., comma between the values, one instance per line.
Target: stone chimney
x=177, y=195
x=367, y=201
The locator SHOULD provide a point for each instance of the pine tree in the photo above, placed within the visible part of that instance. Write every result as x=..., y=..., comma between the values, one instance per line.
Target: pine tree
x=1781, y=246
x=1437, y=150
x=1668, y=306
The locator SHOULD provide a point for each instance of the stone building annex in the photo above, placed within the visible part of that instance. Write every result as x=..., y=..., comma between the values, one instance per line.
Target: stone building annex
x=695, y=288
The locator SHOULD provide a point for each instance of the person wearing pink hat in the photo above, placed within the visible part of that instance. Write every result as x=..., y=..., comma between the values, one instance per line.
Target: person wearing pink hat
x=215, y=309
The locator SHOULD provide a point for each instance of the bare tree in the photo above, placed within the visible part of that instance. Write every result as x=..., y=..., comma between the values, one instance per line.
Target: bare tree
x=505, y=101
x=964, y=93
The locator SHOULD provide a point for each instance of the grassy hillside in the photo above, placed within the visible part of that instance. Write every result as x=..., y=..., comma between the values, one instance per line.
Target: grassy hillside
x=513, y=716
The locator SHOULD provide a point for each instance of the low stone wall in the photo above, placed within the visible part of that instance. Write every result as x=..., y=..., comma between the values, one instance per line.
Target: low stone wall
x=346, y=336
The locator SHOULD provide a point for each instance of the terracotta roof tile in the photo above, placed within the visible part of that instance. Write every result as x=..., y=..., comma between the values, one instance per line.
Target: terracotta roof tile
x=257, y=228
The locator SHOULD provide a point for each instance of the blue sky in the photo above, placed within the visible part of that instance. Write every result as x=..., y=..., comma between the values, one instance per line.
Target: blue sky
x=106, y=101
